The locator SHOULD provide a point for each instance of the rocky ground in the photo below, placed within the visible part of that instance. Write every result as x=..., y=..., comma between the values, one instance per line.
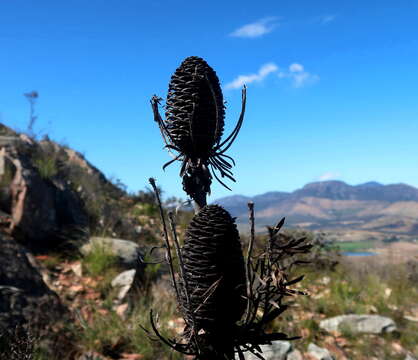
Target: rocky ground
x=364, y=312
x=347, y=315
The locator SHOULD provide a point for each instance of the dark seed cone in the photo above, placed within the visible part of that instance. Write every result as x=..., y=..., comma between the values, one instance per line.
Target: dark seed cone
x=214, y=271
x=195, y=110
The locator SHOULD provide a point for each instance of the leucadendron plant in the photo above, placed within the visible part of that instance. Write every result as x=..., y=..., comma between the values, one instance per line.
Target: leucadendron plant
x=227, y=300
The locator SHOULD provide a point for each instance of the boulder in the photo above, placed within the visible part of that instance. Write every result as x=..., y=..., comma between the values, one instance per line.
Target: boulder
x=127, y=252
x=410, y=357
x=24, y=297
x=374, y=324
x=319, y=353
x=294, y=355
x=124, y=282
x=278, y=350
x=44, y=211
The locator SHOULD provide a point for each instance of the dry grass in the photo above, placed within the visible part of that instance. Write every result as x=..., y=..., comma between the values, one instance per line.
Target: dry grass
x=367, y=288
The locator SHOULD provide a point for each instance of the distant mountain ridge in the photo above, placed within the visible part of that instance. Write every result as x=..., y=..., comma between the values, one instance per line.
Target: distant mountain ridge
x=336, y=204
x=339, y=190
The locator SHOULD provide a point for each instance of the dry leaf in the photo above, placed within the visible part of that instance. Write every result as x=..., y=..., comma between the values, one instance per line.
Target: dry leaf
x=121, y=310
x=76, y=288
x=103, y=311
x=126, y=356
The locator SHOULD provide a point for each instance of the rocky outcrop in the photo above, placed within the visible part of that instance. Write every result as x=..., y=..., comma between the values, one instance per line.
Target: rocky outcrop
x=50, y=195
x=44, y=210
x=24, y=297
x=374, y=324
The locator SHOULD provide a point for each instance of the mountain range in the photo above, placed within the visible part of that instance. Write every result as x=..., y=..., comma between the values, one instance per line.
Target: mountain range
x=335, y=205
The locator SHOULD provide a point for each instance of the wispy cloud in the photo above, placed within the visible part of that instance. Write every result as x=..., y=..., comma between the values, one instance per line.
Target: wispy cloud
x=264, y=71
x=298, y=75
x=329, y=176
x=295, y=72
x=325, y=19
x=256, y=29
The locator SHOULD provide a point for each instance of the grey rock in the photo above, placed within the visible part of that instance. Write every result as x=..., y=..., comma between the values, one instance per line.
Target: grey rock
x=374, y=324
x=294, y=355
x=124, y=281
x=319, y=353
x=8, y=140
x=128, y=252
x=125, y=278
x=278, y=350
x=77, y=269
x=45, y=213
x=410, y=357
x=90, y=355
x=25, y=299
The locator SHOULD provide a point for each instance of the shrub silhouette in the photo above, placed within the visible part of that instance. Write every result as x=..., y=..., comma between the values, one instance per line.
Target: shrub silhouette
x=227, y=300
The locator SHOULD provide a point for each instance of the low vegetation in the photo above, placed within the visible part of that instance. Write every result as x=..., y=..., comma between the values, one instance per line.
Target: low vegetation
x=352, y=246
x=99, y=260
x=360, y=287
x=119, y=331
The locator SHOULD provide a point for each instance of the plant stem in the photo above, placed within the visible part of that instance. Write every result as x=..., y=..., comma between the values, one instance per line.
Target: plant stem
x=167, y=242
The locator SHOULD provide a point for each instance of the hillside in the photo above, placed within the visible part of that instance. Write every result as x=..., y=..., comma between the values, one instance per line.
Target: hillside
x=74, y=286
x=334, y=205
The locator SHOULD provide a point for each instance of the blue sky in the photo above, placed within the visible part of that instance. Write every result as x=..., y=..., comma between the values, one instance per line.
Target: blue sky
x=332, y=86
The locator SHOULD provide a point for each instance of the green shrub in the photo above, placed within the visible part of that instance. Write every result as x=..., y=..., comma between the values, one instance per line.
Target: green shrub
x=147, y=209
x=47, y=166
x=45, y=158
x=99, y=260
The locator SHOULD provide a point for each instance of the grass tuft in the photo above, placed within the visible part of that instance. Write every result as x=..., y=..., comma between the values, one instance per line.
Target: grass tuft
x=99, y=260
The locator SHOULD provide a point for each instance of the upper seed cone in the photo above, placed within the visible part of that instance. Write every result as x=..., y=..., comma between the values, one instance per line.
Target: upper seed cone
x=214, y=270
x=195, y=110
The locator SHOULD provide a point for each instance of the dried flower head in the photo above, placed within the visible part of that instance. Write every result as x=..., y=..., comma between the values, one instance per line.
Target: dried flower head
x=228, y=301
x=214, y=271
x=195, y=108
x=194, y=125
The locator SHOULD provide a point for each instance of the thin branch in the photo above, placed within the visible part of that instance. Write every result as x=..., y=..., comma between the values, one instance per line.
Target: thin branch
x=248, y=260
x=183, y=277
x=168, y=249
x=179, y=256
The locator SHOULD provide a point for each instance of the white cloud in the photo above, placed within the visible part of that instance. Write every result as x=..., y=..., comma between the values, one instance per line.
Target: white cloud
x=295, y=67
x=264, y=71
x=329, y=176
x=298, y=76
x=295, y=73
x=256, y=29
x=325, y=19
x=304, y=78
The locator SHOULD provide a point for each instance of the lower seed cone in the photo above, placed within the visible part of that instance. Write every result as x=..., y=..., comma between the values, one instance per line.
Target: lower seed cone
x=214, y=271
